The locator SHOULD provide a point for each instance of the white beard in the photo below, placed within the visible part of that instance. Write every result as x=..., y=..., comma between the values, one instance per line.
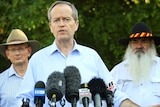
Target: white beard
x=140, y=63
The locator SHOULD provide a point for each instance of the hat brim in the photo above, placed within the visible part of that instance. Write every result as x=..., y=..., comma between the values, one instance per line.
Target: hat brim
x=125, y=41
x=34, y=44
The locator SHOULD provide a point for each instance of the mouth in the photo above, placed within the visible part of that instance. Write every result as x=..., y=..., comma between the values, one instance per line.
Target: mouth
x=62, y=30
x=139, y=51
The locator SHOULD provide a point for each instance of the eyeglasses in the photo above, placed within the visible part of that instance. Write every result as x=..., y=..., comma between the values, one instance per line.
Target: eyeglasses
x=20, y=49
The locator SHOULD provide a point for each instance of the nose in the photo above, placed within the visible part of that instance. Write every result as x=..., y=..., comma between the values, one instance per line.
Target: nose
x=61, y=23
x=139, y=44
x=17, y=52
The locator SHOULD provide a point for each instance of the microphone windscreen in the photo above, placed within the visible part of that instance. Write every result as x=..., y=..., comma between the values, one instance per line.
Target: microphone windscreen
x=97, y=86
x=39, y=91
x=40, y=84
x=55, y=85
x=73, y=81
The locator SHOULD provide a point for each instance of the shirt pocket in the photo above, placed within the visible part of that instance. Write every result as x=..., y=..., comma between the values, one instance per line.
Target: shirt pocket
x=122, y=84
x=155, y=86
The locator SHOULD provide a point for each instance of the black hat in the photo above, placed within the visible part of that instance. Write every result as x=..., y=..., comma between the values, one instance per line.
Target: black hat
x=140, y=30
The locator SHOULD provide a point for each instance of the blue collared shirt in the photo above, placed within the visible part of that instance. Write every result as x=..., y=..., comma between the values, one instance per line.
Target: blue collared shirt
x=9, y=87
x=51, y=59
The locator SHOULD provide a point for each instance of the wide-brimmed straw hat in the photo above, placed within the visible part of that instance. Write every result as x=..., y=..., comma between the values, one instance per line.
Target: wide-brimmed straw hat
x=140, y=30
x=17, y=36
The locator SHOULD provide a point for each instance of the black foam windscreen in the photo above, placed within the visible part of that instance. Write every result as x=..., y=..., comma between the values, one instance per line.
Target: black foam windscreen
x=97, y=85
x=55, y=85
x=40, y=84
x=73, y=82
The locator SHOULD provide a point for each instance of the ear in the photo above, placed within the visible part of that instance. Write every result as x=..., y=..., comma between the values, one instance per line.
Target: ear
x=7, y=54
x=29, y=51
x=50, y=26
x=152, y=41
x=76, y=25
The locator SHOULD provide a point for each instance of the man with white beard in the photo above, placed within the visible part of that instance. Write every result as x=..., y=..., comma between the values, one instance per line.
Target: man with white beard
x=138, y=75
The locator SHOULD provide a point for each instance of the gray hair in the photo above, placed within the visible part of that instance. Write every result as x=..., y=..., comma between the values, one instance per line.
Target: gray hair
x=74, y=10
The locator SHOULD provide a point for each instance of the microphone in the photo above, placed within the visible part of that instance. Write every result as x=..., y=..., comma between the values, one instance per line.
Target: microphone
x=25, y=102
x=39, y=94
x=109, y=94
x=55, y=87
x=73, y=81
x=98, y=88
x=109, y=98
x=85, y=95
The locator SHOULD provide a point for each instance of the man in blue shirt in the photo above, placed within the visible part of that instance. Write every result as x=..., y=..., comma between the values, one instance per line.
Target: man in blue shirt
x=63, y=23
x=17, y=49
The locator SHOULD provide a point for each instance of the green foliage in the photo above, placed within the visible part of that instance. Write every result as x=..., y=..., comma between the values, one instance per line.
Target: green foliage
x=102, y=23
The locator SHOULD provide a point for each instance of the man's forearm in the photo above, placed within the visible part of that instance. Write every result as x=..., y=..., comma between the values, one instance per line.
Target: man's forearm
x=128, y=103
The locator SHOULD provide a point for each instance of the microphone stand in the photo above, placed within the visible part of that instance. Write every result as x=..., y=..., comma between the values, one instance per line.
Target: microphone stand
x=25, y=102
x=85, y=101
x=53, y=101
x=62, y=102
x=39, y=103
x=109, y=99
x=97, y=100
x=74, y=102
x=110, y=102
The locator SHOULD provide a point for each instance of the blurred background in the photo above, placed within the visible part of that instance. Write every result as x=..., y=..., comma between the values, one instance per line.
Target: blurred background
x=102, y=23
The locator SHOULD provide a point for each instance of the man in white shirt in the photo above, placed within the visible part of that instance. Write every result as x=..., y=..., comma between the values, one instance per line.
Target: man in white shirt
x=138, y=75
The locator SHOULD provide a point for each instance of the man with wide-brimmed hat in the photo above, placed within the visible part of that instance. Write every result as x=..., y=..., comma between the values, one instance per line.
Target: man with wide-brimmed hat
x=138, y=75
x=18, y=49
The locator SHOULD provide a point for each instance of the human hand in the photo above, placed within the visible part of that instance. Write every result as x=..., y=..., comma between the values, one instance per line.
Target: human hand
x=158, y=105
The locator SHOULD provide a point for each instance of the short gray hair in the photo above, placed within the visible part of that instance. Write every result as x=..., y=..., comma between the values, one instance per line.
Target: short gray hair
x=74, y=10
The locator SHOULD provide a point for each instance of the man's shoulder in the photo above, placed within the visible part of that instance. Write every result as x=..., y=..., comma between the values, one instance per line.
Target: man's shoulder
x=3, y=75
x=86, y=48
x=122, y=63
x=157, y=59
x=42, y=51
x=119, y=66
x=4, y=72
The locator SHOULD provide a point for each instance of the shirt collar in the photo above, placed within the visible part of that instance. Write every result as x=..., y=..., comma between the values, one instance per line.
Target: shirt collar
x=11, y=71
x=54, y=48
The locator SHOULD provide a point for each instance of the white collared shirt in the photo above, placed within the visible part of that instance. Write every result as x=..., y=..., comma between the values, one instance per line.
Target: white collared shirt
x=145, y=93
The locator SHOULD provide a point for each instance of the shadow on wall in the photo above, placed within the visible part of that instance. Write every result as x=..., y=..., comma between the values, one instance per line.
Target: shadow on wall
x=4, y=63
